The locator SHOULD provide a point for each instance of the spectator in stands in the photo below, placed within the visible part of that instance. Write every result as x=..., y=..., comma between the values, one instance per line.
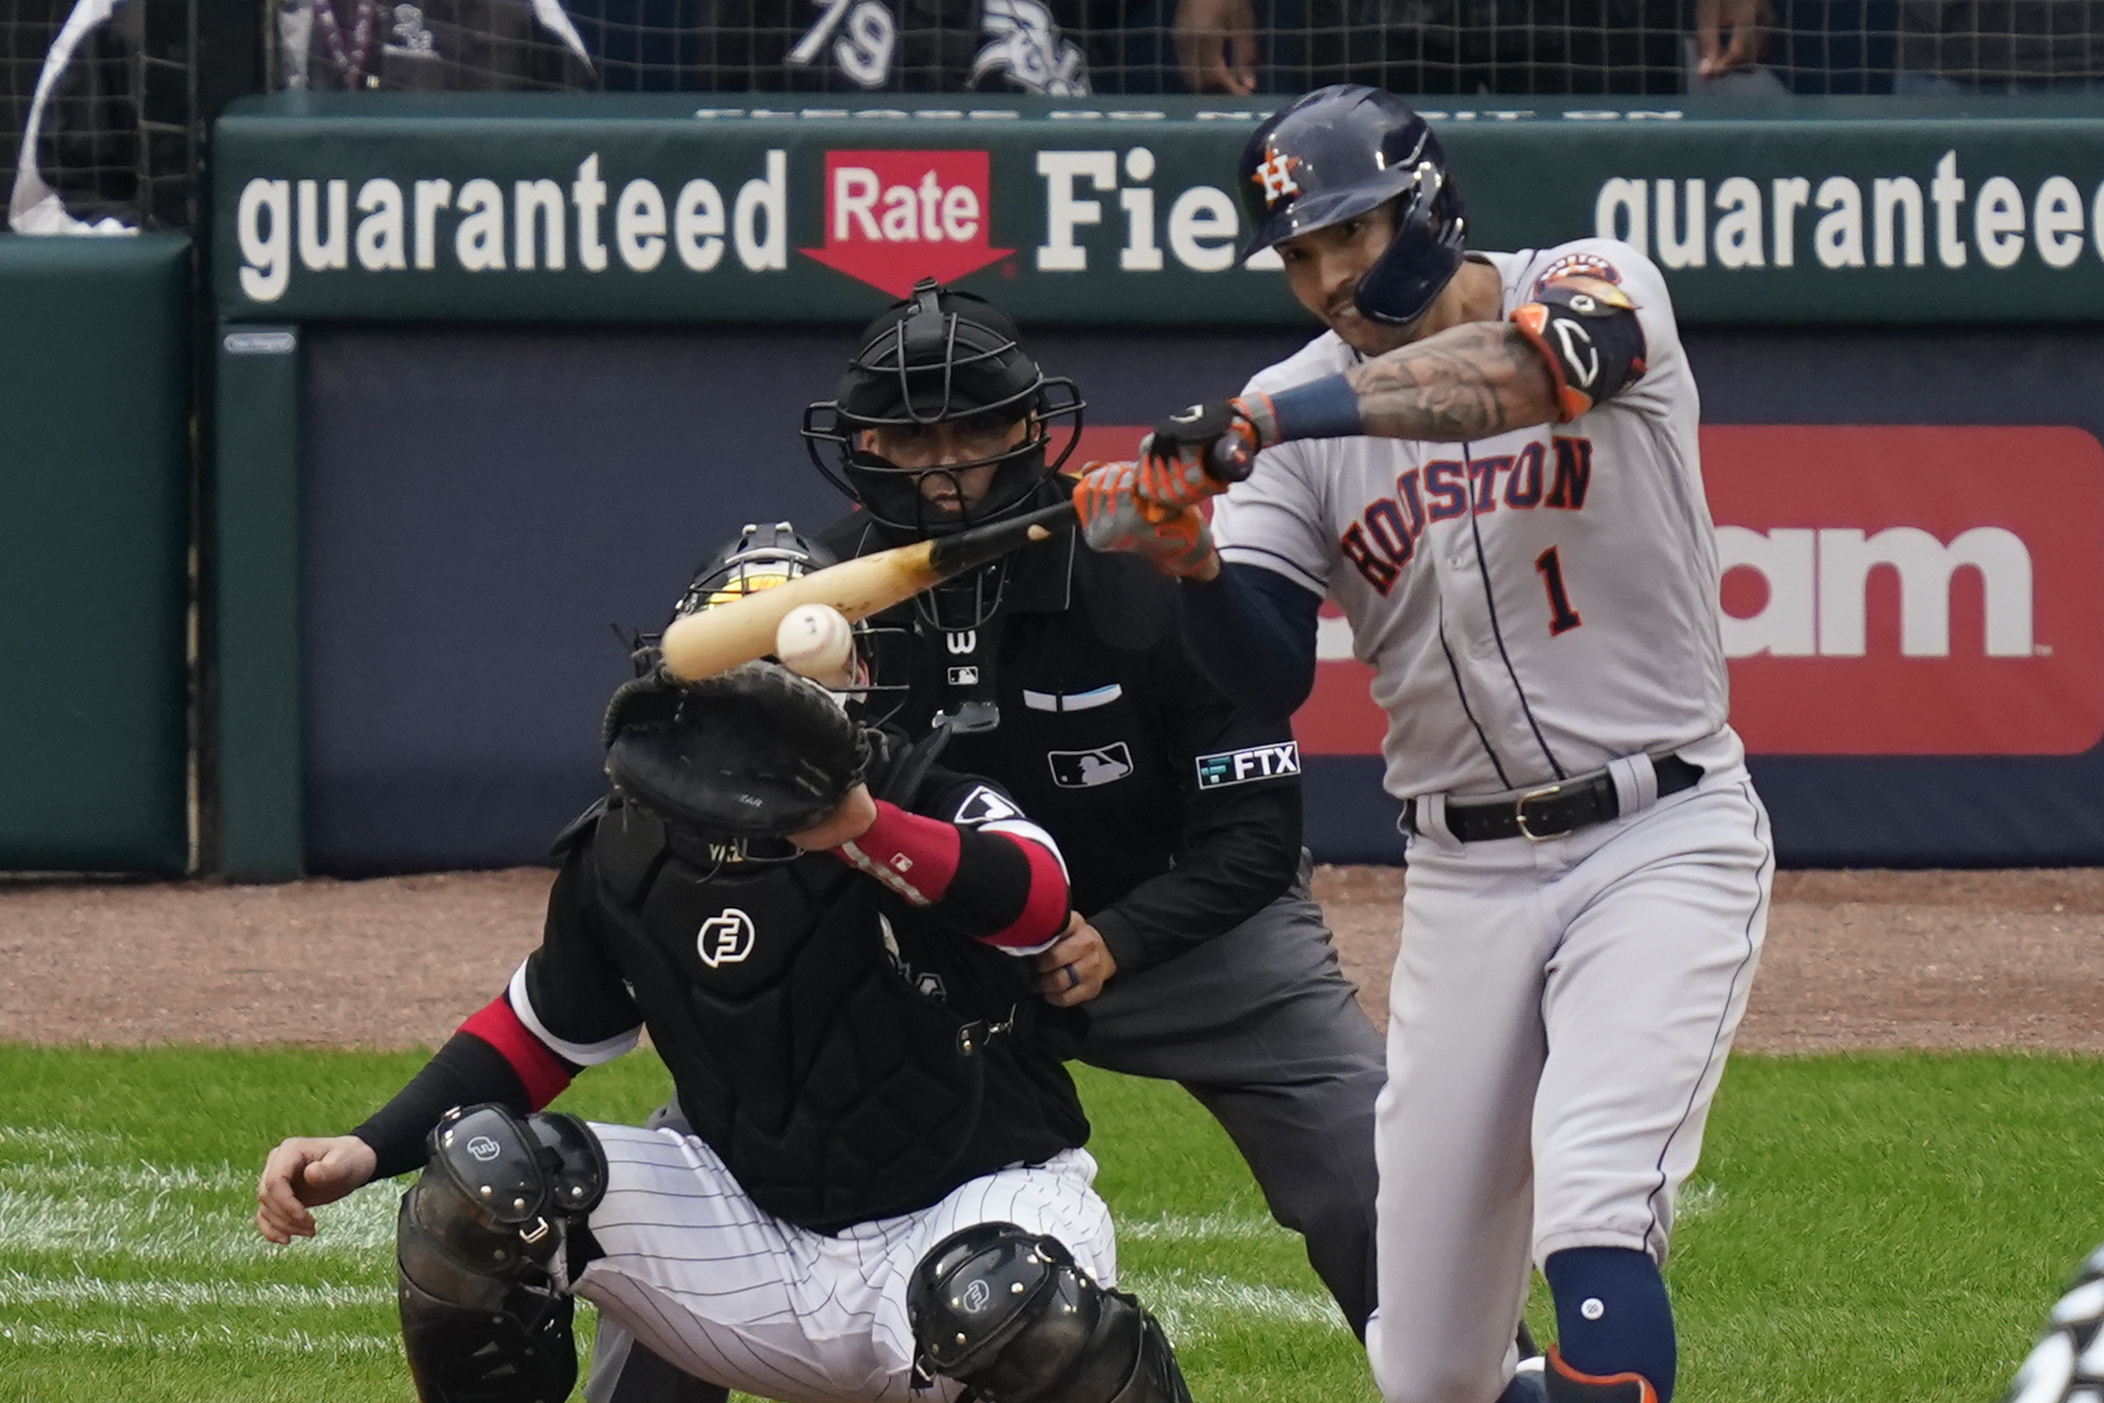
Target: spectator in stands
x=79, y=167
x=432, y=46
x=1432, y=47
x=852, y=46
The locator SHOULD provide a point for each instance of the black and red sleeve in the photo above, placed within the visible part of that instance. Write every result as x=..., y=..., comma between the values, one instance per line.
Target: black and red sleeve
x=987, y=871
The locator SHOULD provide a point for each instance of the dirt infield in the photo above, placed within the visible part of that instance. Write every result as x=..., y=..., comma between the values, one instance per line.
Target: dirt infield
x=1854, y=959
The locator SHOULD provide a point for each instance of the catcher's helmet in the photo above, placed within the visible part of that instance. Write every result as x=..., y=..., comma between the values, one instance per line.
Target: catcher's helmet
x=761, y=558
x=1340, y=152
x=940, y=357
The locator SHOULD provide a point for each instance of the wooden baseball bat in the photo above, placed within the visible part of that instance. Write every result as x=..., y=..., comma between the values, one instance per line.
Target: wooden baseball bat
x=704, y=644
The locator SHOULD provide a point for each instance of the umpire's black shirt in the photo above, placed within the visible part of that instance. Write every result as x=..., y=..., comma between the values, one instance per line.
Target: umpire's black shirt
x=1179, y=816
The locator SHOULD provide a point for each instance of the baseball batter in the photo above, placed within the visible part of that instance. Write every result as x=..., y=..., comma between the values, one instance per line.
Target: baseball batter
x=881, y=1193
x=1489, y=462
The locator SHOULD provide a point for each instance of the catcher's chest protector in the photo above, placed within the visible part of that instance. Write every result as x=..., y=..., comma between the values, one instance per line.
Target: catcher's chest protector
x=837, y=1057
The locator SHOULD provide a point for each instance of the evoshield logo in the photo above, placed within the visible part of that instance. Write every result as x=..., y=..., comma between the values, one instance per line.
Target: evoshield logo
x=893, y=217
x=725, y=938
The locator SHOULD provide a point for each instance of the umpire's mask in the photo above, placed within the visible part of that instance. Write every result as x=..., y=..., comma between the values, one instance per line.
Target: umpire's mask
x=940, y=384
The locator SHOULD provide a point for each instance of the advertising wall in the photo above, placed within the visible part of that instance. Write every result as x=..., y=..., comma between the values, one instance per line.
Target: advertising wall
x=552, y=355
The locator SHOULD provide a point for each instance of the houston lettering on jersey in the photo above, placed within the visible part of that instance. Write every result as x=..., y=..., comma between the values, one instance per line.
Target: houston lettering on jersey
x=1384, y=538
x=1885, y=590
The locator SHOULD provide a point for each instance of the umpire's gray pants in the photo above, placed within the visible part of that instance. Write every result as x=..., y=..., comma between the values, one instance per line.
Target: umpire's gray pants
x=1262, y=1027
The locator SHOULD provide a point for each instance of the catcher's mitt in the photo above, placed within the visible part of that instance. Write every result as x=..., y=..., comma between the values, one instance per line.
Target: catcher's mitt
x=755, y=752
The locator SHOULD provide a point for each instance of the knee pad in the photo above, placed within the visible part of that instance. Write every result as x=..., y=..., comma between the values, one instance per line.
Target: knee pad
x=1010, y=1316
x=483, y=1317
x=1567, y=1385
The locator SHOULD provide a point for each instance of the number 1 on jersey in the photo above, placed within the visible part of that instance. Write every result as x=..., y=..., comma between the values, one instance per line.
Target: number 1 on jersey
x=1562, y=617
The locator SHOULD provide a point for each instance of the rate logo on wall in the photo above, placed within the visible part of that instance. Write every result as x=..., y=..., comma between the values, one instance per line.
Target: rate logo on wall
x=894, y=217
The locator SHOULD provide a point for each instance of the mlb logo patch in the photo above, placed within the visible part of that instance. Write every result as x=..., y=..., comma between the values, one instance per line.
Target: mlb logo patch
x=1248, y=766
x=1085, y=769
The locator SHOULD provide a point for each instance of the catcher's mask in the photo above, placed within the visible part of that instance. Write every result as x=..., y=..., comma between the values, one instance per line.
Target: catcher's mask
x=942, y=360
x=1341, y=152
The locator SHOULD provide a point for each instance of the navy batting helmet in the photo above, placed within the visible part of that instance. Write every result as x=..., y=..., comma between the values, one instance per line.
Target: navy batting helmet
x=1340, y=152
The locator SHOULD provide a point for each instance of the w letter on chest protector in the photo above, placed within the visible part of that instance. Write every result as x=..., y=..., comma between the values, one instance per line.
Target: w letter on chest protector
x=1586, y=329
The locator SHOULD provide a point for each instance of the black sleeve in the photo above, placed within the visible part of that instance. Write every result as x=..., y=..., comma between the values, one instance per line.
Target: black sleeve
x=576, y=994
x=573, y=986
x=465, y=1072
x=1253, y=631
x=1240, y=844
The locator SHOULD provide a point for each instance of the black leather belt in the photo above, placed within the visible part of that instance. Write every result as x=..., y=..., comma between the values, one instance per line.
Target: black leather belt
x=1553, y=809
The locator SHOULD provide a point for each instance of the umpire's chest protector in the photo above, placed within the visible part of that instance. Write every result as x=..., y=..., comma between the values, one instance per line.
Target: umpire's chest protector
x=846, y=1060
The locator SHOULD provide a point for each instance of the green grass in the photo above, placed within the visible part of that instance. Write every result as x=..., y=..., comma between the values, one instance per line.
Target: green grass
x=1865, y=1229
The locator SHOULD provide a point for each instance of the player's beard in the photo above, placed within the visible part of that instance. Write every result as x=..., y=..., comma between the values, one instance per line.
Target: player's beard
x=1361, y=332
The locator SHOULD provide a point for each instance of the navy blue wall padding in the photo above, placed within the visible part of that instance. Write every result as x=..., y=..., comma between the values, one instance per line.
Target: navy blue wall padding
x=480, y=506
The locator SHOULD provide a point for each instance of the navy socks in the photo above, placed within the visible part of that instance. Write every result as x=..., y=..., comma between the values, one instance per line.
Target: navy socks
x=1611, y=1314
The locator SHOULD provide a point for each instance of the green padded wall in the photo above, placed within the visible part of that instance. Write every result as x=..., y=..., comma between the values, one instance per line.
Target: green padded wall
x=94, y=527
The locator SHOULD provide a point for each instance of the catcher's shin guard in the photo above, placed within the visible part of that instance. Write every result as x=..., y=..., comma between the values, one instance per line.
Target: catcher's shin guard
x=1567, y=1385
x=484, y=1319
x=1010, y=1316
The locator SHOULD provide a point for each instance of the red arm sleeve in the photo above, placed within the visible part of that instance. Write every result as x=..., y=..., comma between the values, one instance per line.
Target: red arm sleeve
x=1000, y=886
x=540, y=1071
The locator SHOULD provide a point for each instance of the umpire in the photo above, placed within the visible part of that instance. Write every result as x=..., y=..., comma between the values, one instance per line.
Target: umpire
x=1195, y=946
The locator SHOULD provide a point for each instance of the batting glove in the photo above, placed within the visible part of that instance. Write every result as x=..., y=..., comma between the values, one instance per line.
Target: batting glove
x=1114, y=517
x=1197, y=452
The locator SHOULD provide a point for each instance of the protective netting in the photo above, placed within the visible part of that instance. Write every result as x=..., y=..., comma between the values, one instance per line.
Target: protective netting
x=1424, y=47
x=108, y=88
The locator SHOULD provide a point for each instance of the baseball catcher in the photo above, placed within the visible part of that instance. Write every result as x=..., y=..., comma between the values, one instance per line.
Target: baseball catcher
x=825, y=932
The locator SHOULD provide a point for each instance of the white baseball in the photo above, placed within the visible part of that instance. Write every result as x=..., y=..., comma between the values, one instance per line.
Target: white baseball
x=815, y=641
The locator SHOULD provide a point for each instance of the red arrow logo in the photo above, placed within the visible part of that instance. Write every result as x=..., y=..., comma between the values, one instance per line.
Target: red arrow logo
x=893, y=217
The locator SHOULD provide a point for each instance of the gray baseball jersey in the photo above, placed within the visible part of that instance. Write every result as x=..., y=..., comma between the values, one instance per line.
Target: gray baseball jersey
x=1534, y=605
x=1537, y=607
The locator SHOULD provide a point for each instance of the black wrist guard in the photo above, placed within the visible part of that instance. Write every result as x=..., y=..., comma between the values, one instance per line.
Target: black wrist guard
x=1586, y=330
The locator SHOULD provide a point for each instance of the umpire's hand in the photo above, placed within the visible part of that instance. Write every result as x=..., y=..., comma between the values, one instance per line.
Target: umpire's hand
x=303, y=1173
x=1073, y=969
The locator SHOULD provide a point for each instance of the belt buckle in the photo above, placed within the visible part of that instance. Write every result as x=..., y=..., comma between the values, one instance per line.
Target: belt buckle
x=1519, y=812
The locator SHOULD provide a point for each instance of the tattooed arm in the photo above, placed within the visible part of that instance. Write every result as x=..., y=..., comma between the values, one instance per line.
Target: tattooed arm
x=1467, y=382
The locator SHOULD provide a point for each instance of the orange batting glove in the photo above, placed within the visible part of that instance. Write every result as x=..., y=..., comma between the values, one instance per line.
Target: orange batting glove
x=1114, y=517
x=1200, y=451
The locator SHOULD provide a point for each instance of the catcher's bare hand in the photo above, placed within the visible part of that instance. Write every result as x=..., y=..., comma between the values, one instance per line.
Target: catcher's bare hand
x=845, y=824
x=1074, y=968
x=303, y=1173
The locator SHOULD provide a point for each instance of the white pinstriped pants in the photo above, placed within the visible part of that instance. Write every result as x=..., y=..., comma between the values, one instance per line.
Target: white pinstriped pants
x=719, y=1288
